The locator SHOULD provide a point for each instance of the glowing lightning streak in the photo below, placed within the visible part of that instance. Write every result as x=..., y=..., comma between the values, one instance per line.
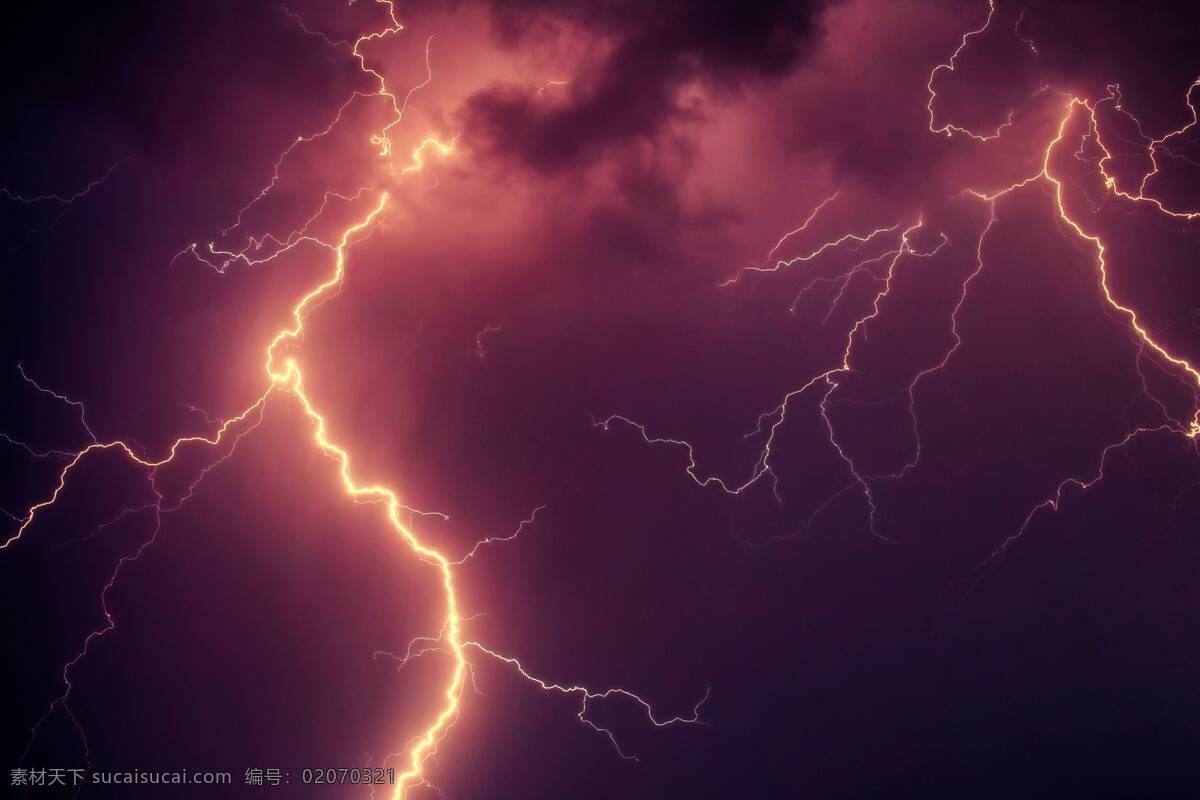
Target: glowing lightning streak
x=1192, y=429
x=950, y=129
x=493, y=539
x=223, y=432
x=125, y=448
x=585, y=695
x=286, y=376
x=1146, y=341
x=1134, y=323
x=380, y=139
x=480, y=349
x=66, y=201
x=418, y=153
x=1153, y=146
x=803, y=226
x=859, y=240
x=778, y=415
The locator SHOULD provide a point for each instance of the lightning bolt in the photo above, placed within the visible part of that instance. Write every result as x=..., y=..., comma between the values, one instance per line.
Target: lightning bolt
x=285, y=377
x=59, y=199
x=1190, y=429
x=949, y=129
x=64, y=202
x=480, y=349
x=285, y=373
x=1152, y=147
x=769, y=422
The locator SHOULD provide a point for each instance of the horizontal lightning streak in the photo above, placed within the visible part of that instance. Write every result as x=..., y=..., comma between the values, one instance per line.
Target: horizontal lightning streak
x=585, y=695
x=60, y=199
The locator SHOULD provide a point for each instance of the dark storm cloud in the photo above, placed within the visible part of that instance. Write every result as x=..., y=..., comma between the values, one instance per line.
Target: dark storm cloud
x=658, y=47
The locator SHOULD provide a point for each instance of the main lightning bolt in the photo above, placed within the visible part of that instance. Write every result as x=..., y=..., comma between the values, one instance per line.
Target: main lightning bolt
x=285, y=376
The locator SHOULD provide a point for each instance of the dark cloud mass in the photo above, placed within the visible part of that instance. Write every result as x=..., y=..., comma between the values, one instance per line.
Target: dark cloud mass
x=652, y=50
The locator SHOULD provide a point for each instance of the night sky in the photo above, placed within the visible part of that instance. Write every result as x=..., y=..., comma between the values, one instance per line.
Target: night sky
x=819, y=377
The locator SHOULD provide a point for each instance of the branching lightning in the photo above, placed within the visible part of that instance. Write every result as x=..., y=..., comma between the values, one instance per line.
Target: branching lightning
x=769, y=422
x=285, y=377
x=949, y=129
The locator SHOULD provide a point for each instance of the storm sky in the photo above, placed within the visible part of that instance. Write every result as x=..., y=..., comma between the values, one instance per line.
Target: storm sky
x=729, y=298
